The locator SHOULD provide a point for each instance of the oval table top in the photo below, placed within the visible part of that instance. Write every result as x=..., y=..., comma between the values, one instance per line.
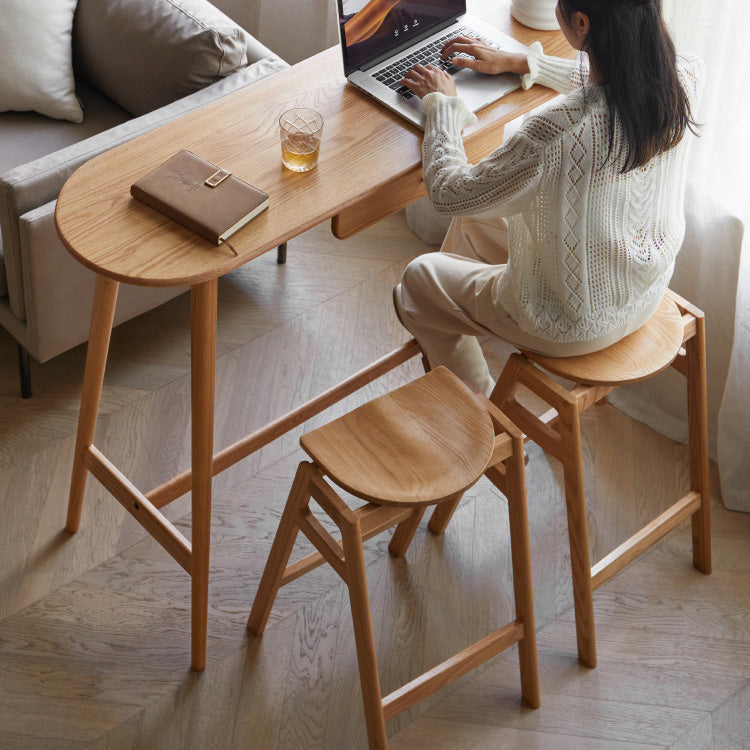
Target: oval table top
x=365, y=150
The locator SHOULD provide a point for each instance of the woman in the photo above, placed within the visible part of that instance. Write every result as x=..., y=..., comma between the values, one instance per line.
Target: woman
x=592, y=187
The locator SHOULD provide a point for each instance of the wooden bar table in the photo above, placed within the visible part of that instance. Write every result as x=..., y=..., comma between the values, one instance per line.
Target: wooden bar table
x=369, y=167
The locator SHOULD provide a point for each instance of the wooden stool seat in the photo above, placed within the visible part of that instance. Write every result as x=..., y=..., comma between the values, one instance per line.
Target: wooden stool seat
x=643, y=353
x=675, y=335
x=424, y=444
x=417, y=445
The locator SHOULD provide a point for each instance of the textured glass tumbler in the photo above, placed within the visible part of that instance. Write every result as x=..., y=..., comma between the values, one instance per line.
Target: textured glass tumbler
x=300, y=131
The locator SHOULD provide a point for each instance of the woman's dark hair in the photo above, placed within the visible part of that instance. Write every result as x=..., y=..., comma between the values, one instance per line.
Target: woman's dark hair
x=636, y=61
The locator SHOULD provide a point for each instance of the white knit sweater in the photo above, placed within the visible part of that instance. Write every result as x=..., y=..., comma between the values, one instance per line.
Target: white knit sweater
x=591, y=249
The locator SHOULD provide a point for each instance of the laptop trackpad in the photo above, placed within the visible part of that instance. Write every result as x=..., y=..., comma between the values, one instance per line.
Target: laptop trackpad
x=477, y=89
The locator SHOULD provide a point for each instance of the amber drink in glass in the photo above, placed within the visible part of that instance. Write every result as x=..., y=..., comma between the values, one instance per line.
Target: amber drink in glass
x=300, y=130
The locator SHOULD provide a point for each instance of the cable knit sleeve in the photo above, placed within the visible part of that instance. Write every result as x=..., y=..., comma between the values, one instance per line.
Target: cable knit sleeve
x=555, y=72
x=692, y=72
x=505, y=181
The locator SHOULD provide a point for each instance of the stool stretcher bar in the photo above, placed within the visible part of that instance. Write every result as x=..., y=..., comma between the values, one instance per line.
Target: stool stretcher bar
x=630, y=549
x=179, y=485
x=139, y=507
x=456, y=666
x=374, y=519
x=145, y=508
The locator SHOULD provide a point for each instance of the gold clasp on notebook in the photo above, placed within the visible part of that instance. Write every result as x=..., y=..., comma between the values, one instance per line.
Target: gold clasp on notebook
x=217, y=177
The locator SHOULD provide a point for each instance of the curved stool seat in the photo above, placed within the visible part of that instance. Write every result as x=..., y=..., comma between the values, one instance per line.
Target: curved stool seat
x=416, y=446
x=675, y=335
x=644, y=353
x=423, y=444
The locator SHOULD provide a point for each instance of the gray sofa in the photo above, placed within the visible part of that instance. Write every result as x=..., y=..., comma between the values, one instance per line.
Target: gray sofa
x=135, y=63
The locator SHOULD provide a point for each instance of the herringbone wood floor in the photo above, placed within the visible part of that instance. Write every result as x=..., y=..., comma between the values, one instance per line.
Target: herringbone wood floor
x=94, y=636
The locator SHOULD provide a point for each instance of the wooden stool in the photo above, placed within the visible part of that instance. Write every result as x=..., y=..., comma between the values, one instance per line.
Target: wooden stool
x=674, y=335
x=423, y=444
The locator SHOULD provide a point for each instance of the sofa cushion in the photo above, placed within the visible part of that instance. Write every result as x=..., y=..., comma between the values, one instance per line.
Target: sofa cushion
x=34, y=183
x=26, y=136
x=36, y=58
x=144, y=54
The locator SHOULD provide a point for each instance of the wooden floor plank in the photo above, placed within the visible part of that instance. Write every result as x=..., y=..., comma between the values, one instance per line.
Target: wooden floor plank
x=731, y=721
x=657, y=649
x=94, y=634
x=664, y=612
x=569, y=715
x=310, y=669
x=430, y=733
x=626, y=681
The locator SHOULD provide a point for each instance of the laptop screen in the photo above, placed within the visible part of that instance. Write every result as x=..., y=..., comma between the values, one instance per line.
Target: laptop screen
x=372, y=28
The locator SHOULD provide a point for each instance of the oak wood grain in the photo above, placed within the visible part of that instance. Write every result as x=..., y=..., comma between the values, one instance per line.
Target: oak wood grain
x=367, y=155
x=417, y=445
x=76, y=669
x=642, y=354
x=671, y=668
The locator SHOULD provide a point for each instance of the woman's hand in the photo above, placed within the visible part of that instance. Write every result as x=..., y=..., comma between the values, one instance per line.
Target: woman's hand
x=426, y=79
x=486, y=59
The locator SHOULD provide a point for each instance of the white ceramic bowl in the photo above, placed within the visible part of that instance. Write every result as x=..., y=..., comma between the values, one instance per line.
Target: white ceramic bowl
x=537, y=14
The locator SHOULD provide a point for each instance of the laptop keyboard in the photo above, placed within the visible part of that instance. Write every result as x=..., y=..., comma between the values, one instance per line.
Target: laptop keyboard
x=427, y=55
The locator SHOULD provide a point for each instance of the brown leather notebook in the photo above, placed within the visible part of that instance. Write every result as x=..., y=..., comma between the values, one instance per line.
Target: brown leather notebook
x=200, y=196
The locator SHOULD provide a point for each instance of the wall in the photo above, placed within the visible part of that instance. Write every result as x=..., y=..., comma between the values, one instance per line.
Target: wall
x=293, y=29
x=245, y=12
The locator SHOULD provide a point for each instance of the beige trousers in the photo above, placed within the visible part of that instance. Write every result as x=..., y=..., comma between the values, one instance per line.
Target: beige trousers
x=447, y=299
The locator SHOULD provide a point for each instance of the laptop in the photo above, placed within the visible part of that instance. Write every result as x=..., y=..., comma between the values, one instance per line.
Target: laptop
x=382, y=39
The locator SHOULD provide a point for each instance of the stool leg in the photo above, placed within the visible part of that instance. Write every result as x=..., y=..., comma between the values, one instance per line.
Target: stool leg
x=511, y=481
x=281, y=549
x=698, y=442
x=102, y=316
x=522, y=582
x=404, y=533
x=567, y=449
x=442, y=515
x=520, y=545
x=363, y=637
x=508, y=381
x=578, y=534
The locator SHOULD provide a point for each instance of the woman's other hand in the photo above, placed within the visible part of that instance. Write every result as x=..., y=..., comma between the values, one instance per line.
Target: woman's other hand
x=484, y=58
x=427, y=79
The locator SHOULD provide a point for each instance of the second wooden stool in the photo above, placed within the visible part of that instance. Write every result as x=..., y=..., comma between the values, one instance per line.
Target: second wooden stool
x=675, y=335
x=422, y=445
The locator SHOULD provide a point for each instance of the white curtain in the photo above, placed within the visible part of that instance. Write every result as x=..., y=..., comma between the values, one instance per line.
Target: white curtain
x=713, y=268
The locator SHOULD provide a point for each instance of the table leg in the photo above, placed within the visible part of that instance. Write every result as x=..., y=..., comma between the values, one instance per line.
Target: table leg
x=102, y=316
x=203, y=363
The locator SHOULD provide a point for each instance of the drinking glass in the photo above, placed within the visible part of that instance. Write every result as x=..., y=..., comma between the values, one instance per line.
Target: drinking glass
x=300, y=130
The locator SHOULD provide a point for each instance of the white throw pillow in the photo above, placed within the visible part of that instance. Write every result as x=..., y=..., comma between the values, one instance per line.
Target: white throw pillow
x=36, y=58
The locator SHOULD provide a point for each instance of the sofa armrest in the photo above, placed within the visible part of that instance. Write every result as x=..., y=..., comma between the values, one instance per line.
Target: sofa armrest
x=34, y=184
x=60, y=292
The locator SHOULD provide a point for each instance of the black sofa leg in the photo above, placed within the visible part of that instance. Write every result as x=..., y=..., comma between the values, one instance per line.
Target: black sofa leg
x=24, y=369
x=281, y=254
